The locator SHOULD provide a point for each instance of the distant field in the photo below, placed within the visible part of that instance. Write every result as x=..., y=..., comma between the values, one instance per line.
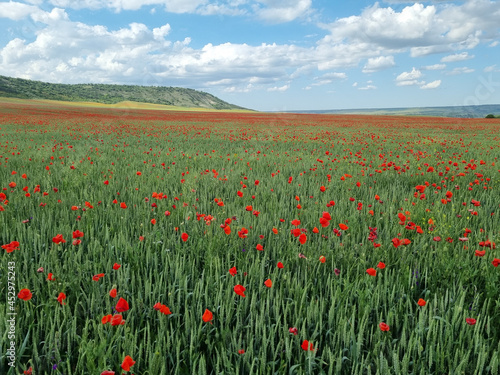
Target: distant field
x=126, y=105
x=140, y=241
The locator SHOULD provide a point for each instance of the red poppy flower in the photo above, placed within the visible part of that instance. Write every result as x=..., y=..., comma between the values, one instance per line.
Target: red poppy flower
x=58, y=239
x=243, y=233
x=383, y=327
x=324, y=223
x=343, y=226
x=50, y=277
x=280, y=265
x=259, y=247
x=127, y=363
x=123, y=205
x=184, y=237
x=249, y=208
x=117, y=320
x=293, y=330
x=240, y=290
x=24, y=294
x=122, y=305
x=396, y=242
x=275, y=231
x=470, y=321
x=207, y=316
x=322, y=259
x=10, y=247
x=480, y=253
x=241, y=351
x=162, y=308
x=315, y=230
x=306, y=345
x=233, y=271
x=106, y=319
x=302, y=238
x=108, y=372
x=61, y=298
x=371, y=272
x=326, y=215
x=77, y=234
x=496, y=262
x=322, y=189
x=112, y=293
x=268, y=283
x=295, y=222
x=381, y=265
x=421, y=302
x=116, y=266
x=97, y=277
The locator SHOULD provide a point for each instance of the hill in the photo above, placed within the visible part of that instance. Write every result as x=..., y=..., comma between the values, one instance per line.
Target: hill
x=111, y=94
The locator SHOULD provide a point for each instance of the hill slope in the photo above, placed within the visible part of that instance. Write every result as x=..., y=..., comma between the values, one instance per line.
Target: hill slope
x=110, y=94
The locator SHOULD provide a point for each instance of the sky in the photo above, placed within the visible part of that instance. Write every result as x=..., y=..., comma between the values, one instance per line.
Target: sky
x=267, y=55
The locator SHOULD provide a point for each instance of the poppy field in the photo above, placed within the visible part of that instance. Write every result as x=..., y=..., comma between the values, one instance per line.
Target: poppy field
x=162, y=242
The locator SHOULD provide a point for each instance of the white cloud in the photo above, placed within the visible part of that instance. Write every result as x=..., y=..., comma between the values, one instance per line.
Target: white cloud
x=277, y=11
x=375, y=64
x=457, y=57
x=328, y=78
x=461, y=70
x=368, y=87
x=280, y=89
x=61, y=50
x=490, y=68
x=409, y=76
x=435, y=67
x=431, y=85
x=17, y=11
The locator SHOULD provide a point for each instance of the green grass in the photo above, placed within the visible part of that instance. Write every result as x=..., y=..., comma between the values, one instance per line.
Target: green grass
x=340, y=314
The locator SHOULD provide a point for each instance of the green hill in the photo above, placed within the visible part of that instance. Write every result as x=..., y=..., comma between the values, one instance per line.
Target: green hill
x=110, y=94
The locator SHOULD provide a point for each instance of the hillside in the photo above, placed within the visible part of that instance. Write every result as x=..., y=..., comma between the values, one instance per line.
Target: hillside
x=110, y=94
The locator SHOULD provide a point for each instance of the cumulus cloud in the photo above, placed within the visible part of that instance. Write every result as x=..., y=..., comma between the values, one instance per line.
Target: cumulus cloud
x=409, y=76
x=435, y=67
x=277, y=11
x=368, y=87
x=17, y=11
x=375, y=64
x=431, y=85
x=274, y=11
x=457, y=57
x=461, y=70
x=62, y=50
x=279, y=89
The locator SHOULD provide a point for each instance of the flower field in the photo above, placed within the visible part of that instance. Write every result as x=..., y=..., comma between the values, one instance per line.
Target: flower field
x=158, y=242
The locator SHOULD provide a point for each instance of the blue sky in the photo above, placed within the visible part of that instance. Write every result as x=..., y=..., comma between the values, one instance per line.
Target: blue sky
x=265, y=54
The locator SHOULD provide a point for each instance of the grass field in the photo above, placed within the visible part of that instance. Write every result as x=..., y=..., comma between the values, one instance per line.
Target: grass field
x=151, y=242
